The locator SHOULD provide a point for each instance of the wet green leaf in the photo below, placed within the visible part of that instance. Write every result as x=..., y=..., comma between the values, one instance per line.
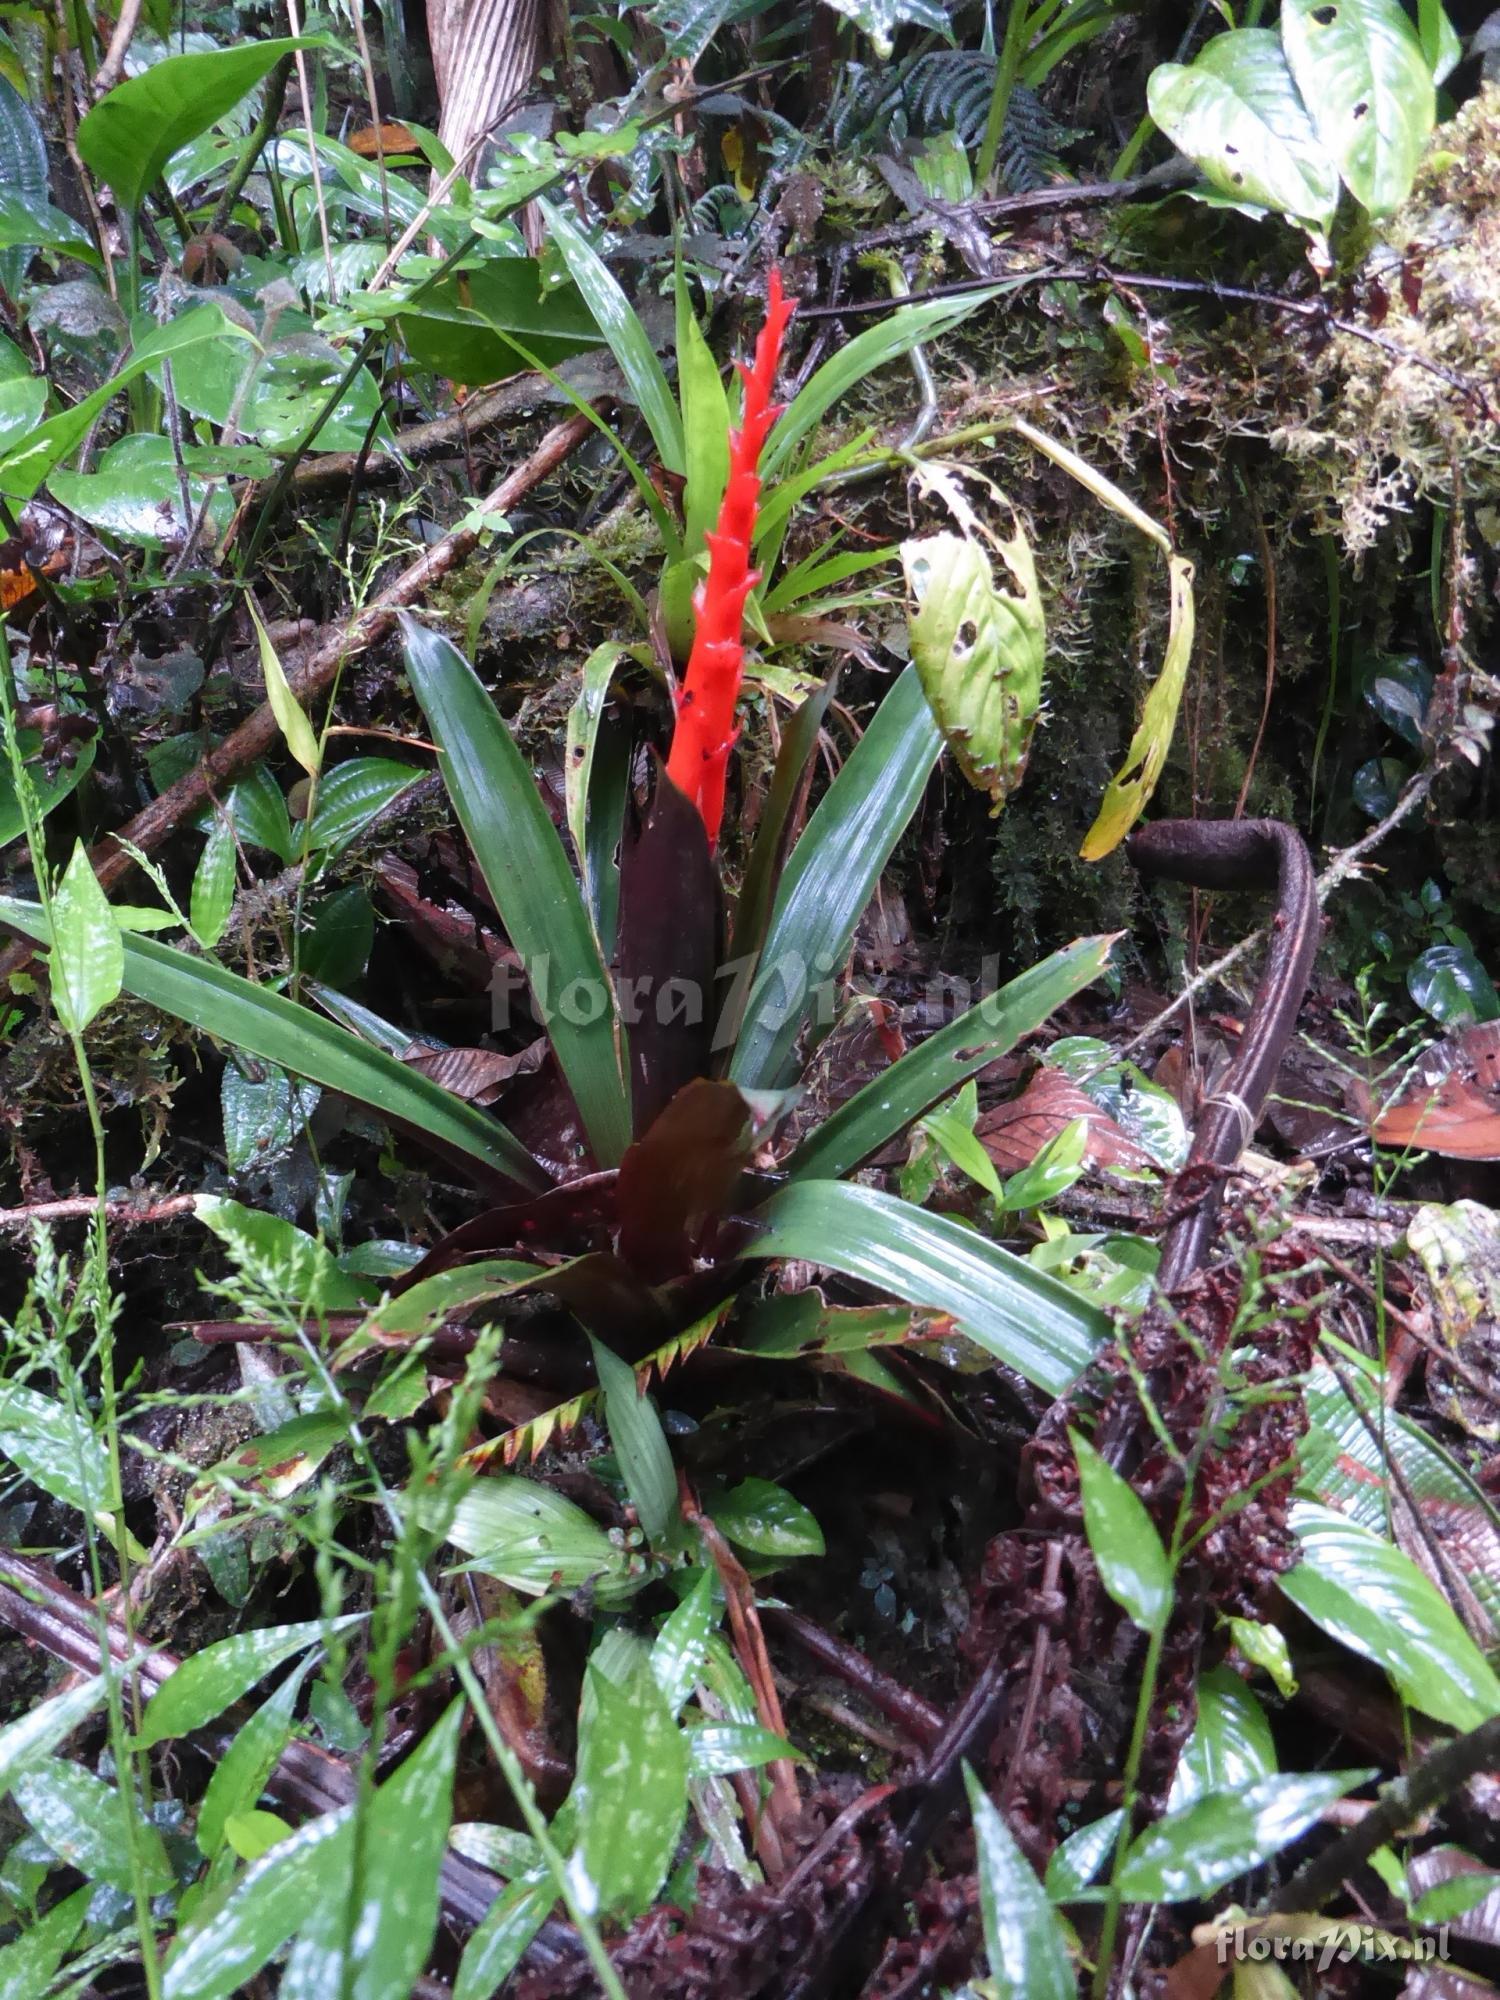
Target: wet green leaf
x=88, y=953
x=1133, y=1565
x=630, y=1792
x=1022, y=1934
x=1225, y=1834
x=83, y=1821
x=207, y=1682
x=1366, y=1593
x=763, y=1517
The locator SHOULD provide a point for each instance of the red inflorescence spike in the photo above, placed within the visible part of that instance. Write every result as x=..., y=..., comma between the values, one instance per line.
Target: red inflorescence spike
x=705, y=731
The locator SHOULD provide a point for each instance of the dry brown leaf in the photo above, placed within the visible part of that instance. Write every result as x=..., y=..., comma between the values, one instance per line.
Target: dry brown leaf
x=1013, y=1134
x=1450, y=1104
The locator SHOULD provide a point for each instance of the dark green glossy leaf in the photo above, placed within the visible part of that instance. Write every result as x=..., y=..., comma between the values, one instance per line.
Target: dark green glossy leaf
x=1122, y=1538
x=83, y=1821
x=763, y=1517
x=1019, y=1315
x=132, y=132
x=373, y=1945
x=1022, y=1934
x=523, y=862
x=1364, y=1592
x=135, y=494
x=1448, y=982
x=832, y=874
x=265, y=1024
x=628, y=340
x=799, y=743
x=1075, y=1864
x=50, y=791
x=351, y=795
x=463, y=328
x=1230, y=1748
x=30, y=1740
x=874, y=1116
x=510, y=1923
x=338, y=946
x=226, y=1941
x=640, y=1445
x=1224, y=1835
x=239, y=1776
x=717, y=1748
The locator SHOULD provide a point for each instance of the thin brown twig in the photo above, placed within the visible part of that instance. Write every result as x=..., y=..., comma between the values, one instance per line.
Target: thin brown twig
x=130, y=1212
x=112, y=68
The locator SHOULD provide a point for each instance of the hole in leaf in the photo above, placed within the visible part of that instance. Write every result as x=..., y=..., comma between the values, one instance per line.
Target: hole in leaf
x=968, y=632
x=1230, y=149
x=1361, y=110
x=1325, y=16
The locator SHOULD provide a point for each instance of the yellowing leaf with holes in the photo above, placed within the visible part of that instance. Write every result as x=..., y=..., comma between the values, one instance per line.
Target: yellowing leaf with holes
x=979, y=649
x=291, y=717
x=1135, y=781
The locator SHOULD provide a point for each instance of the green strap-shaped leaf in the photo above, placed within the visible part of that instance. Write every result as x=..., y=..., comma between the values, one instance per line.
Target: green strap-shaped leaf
x=628, y=340
x=1367, y=84
x=892, y=337
x=266, y=1024
x=874, y=1116
x=1370, y=1595
x=831, y=877
x=524, y=863
x=206, y=1683
x=1019, y=1315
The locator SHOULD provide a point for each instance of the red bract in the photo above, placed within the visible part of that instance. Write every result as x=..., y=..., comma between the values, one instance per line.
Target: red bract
x=705, y=731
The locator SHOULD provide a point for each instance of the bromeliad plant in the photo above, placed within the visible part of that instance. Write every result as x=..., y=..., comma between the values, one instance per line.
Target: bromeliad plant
x=674, y=1059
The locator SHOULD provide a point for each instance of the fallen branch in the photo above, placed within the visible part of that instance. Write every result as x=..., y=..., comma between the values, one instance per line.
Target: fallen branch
x=130, y=1212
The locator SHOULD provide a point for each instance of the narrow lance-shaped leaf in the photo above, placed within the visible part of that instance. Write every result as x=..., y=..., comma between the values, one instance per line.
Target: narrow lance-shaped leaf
x=830, y=878
x=1132, y=785
x=526, y=868
x=628, y=340
x=291, y=718
x=268, y=1025
x=1022, y=1934
x=1123, y=1541
x=88, y=953
x=1019, y=1315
